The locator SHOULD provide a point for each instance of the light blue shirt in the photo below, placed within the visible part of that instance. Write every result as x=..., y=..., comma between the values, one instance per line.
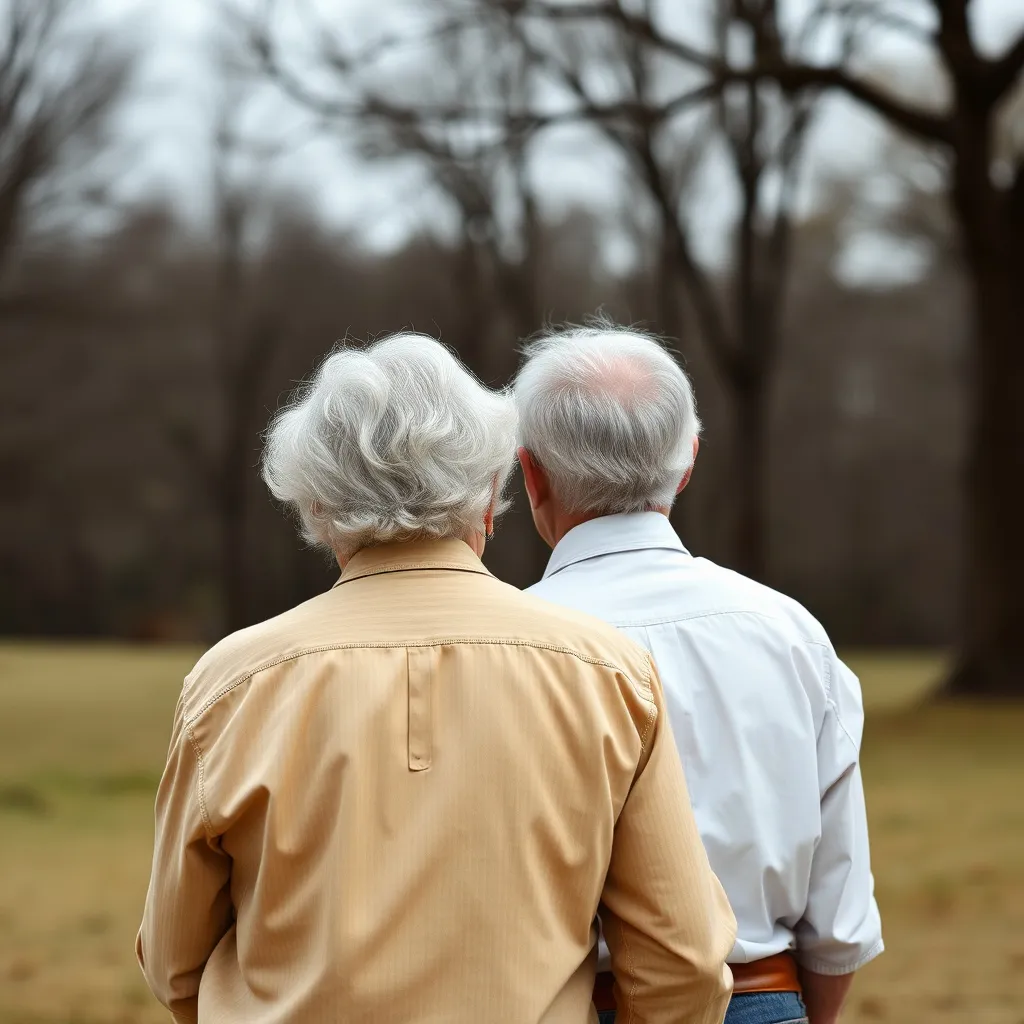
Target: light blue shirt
x=768, y=722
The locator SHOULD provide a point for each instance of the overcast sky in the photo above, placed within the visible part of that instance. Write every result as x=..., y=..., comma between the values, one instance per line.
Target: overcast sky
x=170, y=124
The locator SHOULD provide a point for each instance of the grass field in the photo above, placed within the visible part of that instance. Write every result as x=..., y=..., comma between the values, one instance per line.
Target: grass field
x=83, y=731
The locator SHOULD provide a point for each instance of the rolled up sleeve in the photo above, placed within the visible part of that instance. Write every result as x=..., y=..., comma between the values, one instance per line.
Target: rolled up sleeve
x=665, y=917
x=188, y=906
x=841, y=929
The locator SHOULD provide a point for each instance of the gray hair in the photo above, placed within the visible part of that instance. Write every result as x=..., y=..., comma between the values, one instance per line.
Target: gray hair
x=395, y=441
x=609, y=415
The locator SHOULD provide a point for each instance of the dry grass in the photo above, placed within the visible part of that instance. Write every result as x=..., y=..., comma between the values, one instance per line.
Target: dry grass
x=82, y=735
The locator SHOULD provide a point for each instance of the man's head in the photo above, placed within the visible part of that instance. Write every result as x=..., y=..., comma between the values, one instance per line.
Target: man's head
x=393, y=442
x=607, y=424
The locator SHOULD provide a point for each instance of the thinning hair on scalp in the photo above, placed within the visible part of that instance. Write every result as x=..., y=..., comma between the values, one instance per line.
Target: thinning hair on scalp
x=609, y=415
x=394, y=441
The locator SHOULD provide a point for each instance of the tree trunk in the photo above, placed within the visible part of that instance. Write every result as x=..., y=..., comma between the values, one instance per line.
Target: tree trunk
x=750, y=453
x=666, y=298
x=471, y=330
x=231, y=488
x=233, y=569
x=991, y=661
x=991, y=657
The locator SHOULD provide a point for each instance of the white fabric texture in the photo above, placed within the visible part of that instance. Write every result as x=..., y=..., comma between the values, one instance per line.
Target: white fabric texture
x=768, y=721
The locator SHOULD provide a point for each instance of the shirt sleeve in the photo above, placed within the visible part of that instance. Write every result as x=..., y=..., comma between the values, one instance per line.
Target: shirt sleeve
x=665, y=917
x=188, y=907
x=841, y=929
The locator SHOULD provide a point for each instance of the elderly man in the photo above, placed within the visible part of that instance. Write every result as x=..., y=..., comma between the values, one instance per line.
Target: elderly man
x=405, y=799
x=768, y=719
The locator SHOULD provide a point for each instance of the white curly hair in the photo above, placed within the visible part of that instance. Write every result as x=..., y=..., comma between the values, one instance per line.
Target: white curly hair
x=395, y=441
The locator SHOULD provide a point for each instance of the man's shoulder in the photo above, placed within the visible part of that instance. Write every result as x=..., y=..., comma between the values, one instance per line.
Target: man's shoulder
x=731, y=590
x=674, y=591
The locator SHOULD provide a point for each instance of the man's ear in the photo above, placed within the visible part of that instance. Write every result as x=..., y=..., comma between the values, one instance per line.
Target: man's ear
x=689, y=472
x=534, y=478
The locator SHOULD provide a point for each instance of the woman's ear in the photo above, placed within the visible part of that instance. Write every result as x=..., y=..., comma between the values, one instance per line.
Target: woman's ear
x=489, y=514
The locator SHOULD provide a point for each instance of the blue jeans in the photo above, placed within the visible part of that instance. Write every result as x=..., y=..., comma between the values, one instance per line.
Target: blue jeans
x=753, y=1008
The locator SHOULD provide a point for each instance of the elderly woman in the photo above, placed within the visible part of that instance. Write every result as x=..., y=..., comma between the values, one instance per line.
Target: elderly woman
x=405, y=799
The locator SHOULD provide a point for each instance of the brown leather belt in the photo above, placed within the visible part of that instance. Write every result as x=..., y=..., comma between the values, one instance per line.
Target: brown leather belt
x=772, y=974
x=777, y=973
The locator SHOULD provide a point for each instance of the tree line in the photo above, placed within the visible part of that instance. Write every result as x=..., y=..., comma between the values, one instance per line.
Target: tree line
x=133, y=505
x=748, y=76
x=909, y=418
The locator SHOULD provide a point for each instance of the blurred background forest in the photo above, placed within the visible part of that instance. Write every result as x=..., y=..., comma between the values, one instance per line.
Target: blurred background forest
x=821, y=204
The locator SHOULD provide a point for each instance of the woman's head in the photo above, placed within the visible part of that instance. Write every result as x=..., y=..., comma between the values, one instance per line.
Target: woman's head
x=396, y=441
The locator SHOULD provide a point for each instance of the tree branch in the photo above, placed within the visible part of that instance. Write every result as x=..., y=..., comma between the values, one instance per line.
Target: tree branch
x=790, y=77
x=793, y=78
x=779, y=247
x=611, y=12
x=387, y=44
x=375, y=107
x=954, y=39
x=1002, y=73
x=878, y=14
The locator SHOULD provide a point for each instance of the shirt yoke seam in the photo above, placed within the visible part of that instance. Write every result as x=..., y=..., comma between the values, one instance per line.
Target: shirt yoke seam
x=193, y=718
x=824, y=645
x=687, y=617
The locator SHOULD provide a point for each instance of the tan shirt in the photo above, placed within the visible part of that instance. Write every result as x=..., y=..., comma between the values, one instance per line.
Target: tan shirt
x=408, y=798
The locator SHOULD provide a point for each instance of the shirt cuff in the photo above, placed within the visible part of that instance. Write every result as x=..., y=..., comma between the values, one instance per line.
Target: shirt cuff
x=823, y=967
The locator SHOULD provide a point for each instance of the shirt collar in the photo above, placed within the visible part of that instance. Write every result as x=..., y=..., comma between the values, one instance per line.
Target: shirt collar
x=608, y=535
x=418, y=554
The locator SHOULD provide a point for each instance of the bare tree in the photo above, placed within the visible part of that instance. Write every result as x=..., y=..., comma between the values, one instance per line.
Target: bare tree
x=472, y=127
x=781, y=69
x=986, y=195
x=60, y=83
x=761, y=136
x=480, y=167
x=244, y=334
